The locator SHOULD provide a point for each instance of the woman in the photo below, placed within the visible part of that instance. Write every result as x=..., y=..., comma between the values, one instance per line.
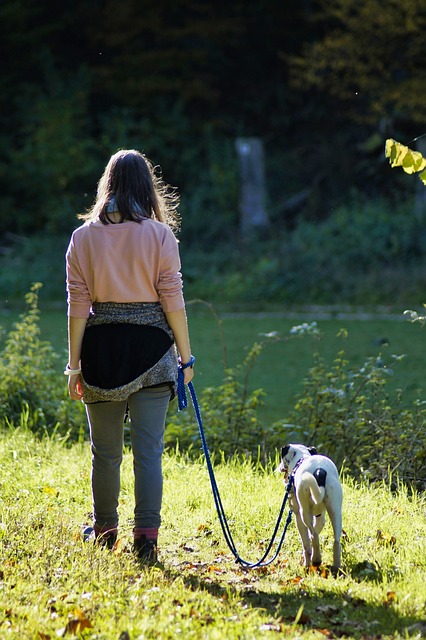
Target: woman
x=126, y=317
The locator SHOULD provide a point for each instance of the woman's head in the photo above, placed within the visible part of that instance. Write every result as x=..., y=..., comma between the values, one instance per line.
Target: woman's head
x=131, y=186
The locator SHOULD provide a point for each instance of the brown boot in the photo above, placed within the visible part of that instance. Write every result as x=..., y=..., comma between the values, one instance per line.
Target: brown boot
x=146, y=550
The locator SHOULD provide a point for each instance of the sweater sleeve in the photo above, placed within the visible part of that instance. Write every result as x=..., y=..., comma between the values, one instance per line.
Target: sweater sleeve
x=78, y=297
x=169, y=285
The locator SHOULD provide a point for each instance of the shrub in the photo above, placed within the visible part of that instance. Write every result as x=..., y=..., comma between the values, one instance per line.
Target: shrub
x=229, y=411
x=348, y=415
x=344, y=411
x=33, y=394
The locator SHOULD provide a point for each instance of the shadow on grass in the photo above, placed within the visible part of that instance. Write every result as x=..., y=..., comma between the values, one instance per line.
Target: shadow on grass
x=331, y=609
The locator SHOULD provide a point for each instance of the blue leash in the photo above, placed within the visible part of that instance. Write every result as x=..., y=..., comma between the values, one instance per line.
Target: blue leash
x=183, y=404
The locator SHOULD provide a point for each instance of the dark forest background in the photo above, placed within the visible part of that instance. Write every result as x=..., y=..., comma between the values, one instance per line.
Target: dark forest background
x=322, y=83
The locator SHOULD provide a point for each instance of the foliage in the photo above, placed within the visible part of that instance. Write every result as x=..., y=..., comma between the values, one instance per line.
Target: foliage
x=183, y=82
x=55, y=585
x=32, y=395
x=364, y=253
x=53, y=165
x=229, y=410
x=40, y=257
x=414, y=316
x=347, y=412
x=401, y=156
x=355, y=56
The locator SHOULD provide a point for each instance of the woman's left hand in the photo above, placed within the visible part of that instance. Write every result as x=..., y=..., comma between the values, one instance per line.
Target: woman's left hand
x=188, y=374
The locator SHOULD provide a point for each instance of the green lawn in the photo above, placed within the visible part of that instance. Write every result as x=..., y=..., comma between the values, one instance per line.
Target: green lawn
x=52, y=584
x=281, y=367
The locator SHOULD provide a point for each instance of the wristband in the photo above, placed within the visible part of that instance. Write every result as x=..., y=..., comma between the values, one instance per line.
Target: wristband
x=188, y=364
x=71, y=372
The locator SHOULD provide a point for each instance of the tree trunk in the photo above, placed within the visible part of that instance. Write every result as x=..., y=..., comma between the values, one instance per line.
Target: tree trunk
x=252, y=185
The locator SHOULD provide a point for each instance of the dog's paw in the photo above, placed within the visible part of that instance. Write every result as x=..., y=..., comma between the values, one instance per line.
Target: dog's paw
x=336, y=572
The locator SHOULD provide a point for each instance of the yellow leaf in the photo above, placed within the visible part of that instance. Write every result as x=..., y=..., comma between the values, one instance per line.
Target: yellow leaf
x=422, y=177
x=401, y=156
x=50, y=491
x=413, y=161
x=390, y=142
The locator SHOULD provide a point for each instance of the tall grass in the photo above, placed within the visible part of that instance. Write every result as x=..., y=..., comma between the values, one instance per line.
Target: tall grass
x=52, y=584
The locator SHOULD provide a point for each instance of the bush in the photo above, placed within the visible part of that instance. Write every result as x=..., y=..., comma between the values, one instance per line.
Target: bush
x=363, y=253
x=33, y=395
x=40, y=257
x=229, y=410
x=347, y=414
x=344, y=411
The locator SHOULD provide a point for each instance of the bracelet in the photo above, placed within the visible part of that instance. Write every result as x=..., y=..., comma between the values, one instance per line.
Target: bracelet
x=188, y=364
x=71, y=372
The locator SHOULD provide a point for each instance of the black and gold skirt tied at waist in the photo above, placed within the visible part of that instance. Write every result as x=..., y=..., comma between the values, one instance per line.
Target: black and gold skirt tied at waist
x=126, y=346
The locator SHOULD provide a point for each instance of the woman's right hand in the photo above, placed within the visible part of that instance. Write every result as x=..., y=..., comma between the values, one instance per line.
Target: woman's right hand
x=74, y=387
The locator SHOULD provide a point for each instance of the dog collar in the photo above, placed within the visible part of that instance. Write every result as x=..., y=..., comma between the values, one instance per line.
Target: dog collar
x=298, y=463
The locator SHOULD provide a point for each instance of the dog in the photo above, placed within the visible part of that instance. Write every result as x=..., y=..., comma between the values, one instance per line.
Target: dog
x=316, y=490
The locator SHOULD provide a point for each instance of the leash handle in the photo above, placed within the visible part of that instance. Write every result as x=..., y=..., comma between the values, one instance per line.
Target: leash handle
x=181, y=391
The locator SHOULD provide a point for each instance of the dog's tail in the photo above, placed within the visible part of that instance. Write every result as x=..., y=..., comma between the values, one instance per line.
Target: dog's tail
x=308, y=482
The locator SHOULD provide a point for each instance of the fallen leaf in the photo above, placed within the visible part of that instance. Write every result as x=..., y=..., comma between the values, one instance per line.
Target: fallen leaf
x=51, y=491
x=322, y=570
x=300, y=618
x=326, y=632
x=117, y=548
x=214, y=569
x=205, y=530
x=75, y=625
x=390, y=598
x=385, y=538
x=294, y=581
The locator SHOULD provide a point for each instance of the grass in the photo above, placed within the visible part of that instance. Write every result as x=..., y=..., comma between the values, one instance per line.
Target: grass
x=281, y=367
x=52, y=584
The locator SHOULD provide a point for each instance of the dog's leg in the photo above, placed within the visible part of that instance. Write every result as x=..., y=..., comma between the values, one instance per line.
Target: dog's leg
x=336, y=522
x=316, y=551
x=306, y=541
x=308, y=519
x=319, y=522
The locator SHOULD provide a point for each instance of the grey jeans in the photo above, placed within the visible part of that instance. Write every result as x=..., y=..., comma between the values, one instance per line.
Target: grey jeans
x=147, y=409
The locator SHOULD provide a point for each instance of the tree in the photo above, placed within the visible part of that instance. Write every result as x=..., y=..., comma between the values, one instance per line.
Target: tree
x=369, y=55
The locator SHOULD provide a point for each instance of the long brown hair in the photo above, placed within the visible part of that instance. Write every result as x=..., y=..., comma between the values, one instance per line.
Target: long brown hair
x=137, y=189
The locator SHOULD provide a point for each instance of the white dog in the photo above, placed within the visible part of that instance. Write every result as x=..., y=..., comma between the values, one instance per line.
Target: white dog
x=317, y=490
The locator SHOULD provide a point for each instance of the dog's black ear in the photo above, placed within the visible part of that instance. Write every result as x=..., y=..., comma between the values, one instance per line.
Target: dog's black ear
x=312, y=451
x=284, y=450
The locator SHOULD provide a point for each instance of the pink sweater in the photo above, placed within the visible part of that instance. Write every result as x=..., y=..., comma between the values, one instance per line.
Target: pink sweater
x=127, y=262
